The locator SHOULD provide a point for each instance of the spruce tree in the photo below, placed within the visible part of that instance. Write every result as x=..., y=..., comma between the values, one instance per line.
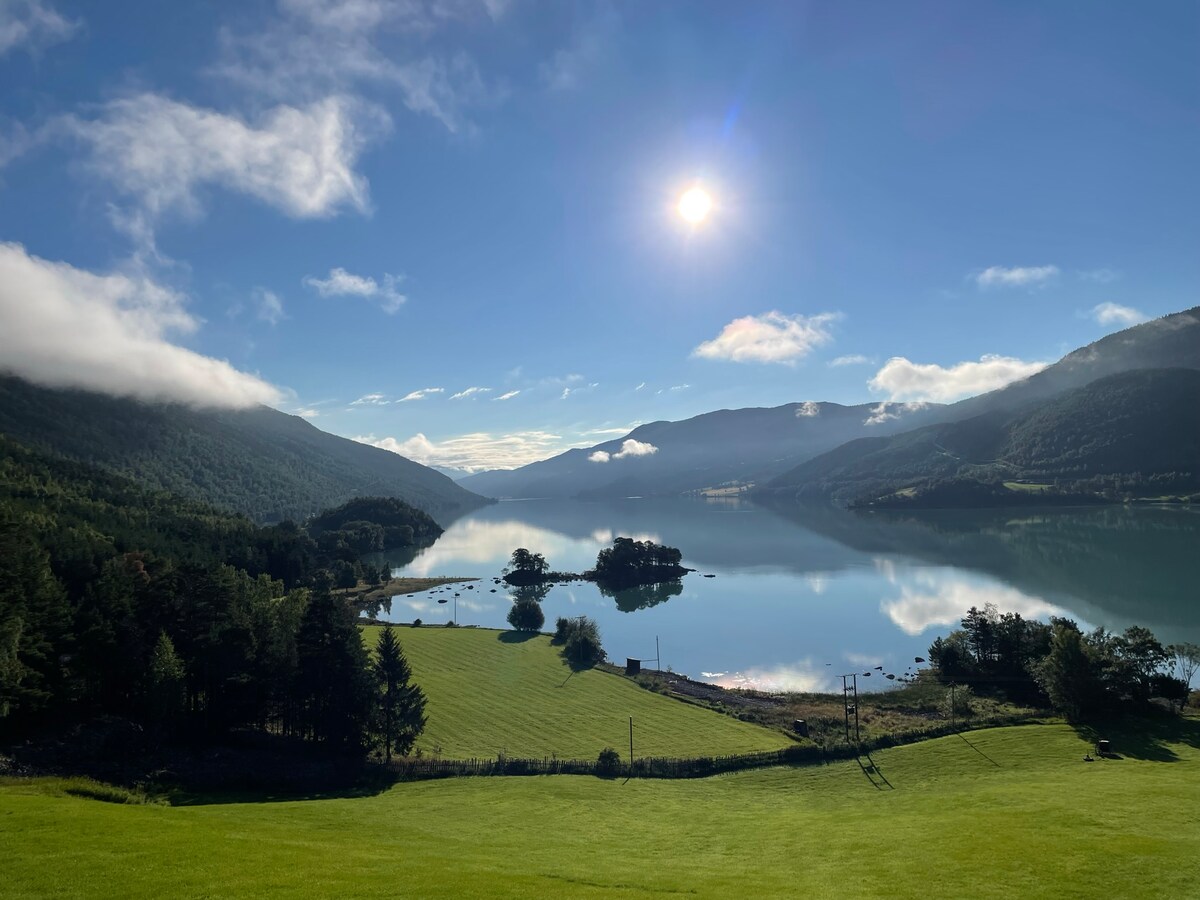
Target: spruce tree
x=401, y=705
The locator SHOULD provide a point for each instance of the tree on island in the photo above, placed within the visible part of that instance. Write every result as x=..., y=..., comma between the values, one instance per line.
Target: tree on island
x=401, y=704
x=526, y=615
x=525, y=567
x=628, y=562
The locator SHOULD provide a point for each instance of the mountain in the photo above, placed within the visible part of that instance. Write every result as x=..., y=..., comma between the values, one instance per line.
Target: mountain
x=1169, y=342
x=1137, y=430
x=260, y=462
x=706, y=451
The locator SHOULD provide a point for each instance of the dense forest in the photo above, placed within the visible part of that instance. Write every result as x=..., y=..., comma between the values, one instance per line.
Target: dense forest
x=117, y=600
x=258, y=462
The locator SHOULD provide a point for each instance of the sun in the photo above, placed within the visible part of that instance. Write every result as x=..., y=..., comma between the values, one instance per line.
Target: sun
x=694, y=205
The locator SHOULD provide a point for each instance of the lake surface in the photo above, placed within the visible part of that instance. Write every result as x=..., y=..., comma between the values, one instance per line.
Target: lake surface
x=801, y=595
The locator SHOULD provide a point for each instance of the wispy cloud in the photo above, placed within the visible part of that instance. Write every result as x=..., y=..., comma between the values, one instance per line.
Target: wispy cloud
x=769, y=338
x=109, y=333
x=341, y=283
x=1115, y=314
x=33, y=25
x=1017, y=276
x=269, y=305
x=470, y=392
x=853, y=359
x=308, y=412
x=421, y=394
x=370, y=400
x=507, y=395
x=640, y=386
x=902, y=379
x=629, y=448
x=163, y=154
x=1099, y=276
x=568, y=391
x=321, y=47
x=589, y=44
x=475, y=452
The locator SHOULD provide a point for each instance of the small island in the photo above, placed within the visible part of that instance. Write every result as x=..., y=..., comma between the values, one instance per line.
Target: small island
x=626, y=564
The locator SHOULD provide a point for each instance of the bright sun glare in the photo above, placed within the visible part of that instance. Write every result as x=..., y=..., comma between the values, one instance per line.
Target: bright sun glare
x=695, y=205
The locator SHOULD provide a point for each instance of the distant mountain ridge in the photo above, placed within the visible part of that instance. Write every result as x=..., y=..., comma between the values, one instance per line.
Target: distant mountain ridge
x=1138, y=428
x=259, y=462
x=758, y=445
x=706, y=451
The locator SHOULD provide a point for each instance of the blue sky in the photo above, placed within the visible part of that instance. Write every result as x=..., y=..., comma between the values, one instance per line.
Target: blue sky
x=334, y=205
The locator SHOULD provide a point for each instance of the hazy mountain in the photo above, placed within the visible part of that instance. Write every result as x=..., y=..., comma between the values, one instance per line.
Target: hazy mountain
x=1170, y=342
x=1142, y=425
x=260, y=462
x=710, y=450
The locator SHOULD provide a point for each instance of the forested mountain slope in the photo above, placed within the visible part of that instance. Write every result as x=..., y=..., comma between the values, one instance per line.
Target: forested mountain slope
x=1138, y=432
x=260, y=462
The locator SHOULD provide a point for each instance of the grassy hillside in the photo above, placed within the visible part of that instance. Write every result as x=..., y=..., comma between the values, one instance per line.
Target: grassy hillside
x=495, y=691
x=1138, y=426
x=1010, y=812
x=259, y=462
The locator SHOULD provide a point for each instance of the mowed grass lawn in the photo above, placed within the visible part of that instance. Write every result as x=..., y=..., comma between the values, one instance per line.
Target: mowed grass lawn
x=1000, y=813
x=494, y=692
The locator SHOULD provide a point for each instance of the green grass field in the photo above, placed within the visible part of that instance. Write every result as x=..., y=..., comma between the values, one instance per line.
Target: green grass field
x=1007, y=812
x=496, y=692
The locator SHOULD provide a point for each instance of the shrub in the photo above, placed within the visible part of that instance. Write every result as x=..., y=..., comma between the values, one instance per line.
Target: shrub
x=608, y=763
x=526, y=615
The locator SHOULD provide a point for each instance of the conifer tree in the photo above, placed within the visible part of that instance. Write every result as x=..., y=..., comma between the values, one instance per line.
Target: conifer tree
x=401, y=704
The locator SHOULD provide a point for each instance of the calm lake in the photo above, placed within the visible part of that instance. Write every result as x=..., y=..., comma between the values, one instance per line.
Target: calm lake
x=800, y=595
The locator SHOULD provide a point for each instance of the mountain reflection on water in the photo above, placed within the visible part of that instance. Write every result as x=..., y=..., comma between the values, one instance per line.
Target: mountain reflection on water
x=803, y=593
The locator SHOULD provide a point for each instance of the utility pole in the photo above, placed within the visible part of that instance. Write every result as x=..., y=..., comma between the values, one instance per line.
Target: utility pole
x=657, y=655
x=849, y=702
x=631, y=745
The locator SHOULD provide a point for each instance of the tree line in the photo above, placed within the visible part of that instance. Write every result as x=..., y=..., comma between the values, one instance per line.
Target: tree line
x=1081, y=674
x=115, y=600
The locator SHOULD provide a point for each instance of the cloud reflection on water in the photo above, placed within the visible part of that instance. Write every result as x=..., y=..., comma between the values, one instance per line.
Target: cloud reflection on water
x=941, y=597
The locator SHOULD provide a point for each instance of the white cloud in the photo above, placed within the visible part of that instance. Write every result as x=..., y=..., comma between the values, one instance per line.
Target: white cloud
x=1114, y=314
x=886, y=412
x=270, y=305
x=508, y=395
x=1017, y=276
x=421, y=394
x=318, y=47
x=640, y=386
x=475, y=452
x=1099, y=276
x=307, y=412
x=864, y=660
x=854, y=359
x=808, y=409
x=936, y=598
x=902, y=379
x=341, y=283
x=370, y=400
x=770, y=338
x=33, y=25
x=470, y=392
x=629, y=448
x=66, y=327
x=163, y=154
